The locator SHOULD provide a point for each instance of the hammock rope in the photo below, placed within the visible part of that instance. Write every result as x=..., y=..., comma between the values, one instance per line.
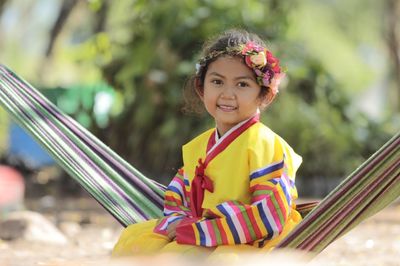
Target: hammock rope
x=131, y=197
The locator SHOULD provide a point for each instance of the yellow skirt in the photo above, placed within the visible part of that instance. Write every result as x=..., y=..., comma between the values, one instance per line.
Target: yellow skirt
x=139, y=239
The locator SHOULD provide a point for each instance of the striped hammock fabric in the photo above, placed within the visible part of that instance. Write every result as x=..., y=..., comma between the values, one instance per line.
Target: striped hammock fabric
x=370, y=188
x=131, y=197
x=122, y=190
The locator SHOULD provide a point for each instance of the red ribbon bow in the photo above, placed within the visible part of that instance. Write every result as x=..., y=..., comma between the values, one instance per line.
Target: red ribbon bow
x=200, y=183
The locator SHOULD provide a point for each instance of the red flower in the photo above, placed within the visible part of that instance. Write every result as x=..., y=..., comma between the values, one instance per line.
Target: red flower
x=270, y=58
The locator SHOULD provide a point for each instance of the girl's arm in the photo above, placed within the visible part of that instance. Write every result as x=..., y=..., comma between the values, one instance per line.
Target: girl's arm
x=239, y=223
x=175, y=205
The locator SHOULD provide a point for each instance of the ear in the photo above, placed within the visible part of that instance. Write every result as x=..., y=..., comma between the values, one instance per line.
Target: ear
x=266, y=99
x=199, y=88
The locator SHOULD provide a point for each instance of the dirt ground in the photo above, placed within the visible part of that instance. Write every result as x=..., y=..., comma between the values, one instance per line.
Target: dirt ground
x=92, y=232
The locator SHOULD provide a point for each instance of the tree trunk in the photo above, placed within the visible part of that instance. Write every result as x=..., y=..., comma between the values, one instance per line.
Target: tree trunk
x=101, y=17
x=393, y=42
x=65, y=11
x=2, y=5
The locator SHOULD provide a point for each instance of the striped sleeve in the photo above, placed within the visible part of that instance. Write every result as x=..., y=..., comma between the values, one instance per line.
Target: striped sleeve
x=176, y=205
x=244, y=223
x=234, y=222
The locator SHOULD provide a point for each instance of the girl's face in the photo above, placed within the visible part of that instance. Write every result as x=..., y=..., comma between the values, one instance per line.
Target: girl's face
x=230, y=92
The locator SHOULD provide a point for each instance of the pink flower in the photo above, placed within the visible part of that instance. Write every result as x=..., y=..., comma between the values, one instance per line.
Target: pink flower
x=275, y=82
x=248, y=61
x=270, y=58
x=258, y=72
x=276, y=68
x=251, y=47
x=265, y=81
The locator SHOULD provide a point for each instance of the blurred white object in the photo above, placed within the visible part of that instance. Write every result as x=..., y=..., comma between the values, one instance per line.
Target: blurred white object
x=31, y=226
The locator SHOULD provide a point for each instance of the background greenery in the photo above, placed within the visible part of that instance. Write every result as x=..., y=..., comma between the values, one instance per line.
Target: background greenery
x=339, y=103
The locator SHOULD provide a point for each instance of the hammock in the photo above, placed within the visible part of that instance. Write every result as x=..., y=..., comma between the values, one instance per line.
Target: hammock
x=131, y=197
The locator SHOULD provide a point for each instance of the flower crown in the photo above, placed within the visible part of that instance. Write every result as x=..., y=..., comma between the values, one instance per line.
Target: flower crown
x=258, y=58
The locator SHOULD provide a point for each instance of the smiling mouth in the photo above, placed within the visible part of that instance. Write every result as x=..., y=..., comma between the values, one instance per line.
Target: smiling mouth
x=226, y=108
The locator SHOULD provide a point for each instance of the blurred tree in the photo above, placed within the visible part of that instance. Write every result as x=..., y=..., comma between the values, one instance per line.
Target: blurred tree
x=146, y=54
x=151, y=62
x=334, y=51
x=101, y=16
x=393, y=42
x=65, y=10
x=2, y=5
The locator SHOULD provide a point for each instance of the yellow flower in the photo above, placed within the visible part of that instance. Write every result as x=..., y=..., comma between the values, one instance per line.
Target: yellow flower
x=259, y=60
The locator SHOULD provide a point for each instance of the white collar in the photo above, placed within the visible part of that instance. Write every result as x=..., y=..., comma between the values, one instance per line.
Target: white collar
x=218, y=139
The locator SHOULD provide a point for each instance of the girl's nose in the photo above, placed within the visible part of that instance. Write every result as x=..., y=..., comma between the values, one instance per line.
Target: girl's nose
x=228, y=93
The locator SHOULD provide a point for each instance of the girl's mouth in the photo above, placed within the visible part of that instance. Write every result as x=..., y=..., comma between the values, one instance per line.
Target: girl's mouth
x=226, y=108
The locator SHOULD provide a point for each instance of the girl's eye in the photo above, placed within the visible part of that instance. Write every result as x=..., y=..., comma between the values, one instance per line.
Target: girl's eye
x=216, y=81
x=243, y=84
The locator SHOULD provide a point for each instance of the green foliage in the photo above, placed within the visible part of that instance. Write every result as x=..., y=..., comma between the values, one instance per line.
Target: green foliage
x=153, y=46
x=89, y=105
x=150, y=67
x=334, y=51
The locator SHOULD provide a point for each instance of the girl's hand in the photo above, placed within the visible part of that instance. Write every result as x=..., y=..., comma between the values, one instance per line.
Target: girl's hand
x=171, y=230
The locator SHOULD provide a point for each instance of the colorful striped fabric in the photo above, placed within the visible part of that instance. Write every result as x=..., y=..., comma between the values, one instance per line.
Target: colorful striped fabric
x=252, y=206
x=231, y=222
x=130, y=197
x=176, y=202
x=369, y=189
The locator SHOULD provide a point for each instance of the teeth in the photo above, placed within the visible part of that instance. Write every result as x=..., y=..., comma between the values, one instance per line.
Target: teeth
x=227, y=107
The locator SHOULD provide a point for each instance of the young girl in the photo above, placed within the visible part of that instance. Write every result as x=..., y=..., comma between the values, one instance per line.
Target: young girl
x=236, y=188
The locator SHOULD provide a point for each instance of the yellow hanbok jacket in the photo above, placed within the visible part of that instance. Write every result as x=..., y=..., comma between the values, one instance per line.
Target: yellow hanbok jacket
x=252, y=201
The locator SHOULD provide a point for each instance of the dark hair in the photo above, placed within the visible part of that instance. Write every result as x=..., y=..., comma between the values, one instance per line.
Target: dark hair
x=211, y=51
